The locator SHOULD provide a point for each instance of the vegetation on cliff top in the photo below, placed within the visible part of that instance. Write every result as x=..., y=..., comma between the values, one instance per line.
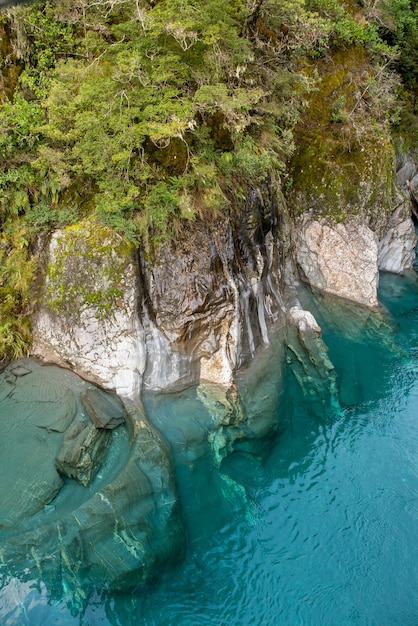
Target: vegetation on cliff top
x=149, y=112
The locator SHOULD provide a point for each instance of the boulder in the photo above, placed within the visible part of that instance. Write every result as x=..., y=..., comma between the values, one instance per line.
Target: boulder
x=82, y=451
x=88, y=318
x=338, y=258
x=104, y=409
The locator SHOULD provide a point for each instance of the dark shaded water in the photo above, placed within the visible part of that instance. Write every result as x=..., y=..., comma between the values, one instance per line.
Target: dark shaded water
x=324, y=530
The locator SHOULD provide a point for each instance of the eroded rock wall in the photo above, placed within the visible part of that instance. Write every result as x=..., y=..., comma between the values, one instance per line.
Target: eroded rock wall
x=193, y=314
x=199, y=309
x=211, y=297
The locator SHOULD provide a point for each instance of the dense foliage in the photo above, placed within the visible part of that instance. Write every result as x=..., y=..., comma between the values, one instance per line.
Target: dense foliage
x=148, y=112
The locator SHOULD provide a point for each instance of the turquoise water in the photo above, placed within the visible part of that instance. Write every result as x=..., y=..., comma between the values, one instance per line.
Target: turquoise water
x=320, y=529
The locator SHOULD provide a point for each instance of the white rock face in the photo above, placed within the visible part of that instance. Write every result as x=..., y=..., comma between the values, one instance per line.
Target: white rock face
x=302, y=320
x=397, y=248
x=87, y=268
x=338, y=258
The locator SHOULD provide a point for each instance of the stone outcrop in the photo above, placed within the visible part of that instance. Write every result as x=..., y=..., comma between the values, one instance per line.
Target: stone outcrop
x=397, y=247
x=194, y=313
x=344, y=258
x=201, y=306
x=350, y=219
x=339, y=258
x=88, y=320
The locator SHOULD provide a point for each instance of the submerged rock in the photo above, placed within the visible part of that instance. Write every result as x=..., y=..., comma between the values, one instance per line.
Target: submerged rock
x=82, y=452
x=104, y=410
x=116, y=532
x=61, y=417
x=307, y=357
x=29, y=479
x=303, y=320
x=19, y=370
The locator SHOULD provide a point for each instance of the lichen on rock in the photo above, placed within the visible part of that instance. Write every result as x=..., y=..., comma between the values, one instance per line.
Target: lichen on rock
x=89, y=317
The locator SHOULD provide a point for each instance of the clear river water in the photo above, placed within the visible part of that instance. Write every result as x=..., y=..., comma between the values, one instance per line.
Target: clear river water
x=321, y=530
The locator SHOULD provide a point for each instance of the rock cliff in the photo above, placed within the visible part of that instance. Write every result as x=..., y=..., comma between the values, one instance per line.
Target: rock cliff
x=194, y=313
x=198, y=310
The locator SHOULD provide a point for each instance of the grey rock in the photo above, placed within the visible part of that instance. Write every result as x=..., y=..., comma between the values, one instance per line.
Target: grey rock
x=413, y=186
x=58, y=417
x=405, y=173
x=20, y=370
x=213, y=295
x=105, y=410
x=82, y=452
x=397, y=247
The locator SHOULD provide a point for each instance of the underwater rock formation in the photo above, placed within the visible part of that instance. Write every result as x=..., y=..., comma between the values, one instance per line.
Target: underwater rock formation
x=307, y=357
x=111, y=533
x=82, y=451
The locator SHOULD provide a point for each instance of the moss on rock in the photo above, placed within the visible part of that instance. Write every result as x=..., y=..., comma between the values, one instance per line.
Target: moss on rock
x=88, y=269
x=344, y=159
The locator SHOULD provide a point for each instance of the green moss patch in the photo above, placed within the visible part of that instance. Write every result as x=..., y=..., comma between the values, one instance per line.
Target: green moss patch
x=88, y=270
x=344, y=161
